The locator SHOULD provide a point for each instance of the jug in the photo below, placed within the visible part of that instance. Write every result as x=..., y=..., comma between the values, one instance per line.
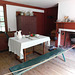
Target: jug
x=19, y=35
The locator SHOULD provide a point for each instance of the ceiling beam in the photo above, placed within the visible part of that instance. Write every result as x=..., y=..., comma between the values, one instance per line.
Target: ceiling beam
x=18, y=4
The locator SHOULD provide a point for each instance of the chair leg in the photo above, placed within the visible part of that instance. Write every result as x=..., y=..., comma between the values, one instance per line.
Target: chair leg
x=64, y=57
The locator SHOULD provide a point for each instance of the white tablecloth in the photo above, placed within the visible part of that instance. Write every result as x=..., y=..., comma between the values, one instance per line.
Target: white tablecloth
x=17, y=46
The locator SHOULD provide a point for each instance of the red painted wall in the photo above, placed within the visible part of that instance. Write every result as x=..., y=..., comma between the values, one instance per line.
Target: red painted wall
x=44, y=24
x=40, y=23
x=40, y=16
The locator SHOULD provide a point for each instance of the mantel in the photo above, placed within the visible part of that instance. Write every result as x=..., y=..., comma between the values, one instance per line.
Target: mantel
x=66, y=25
x=65, y=22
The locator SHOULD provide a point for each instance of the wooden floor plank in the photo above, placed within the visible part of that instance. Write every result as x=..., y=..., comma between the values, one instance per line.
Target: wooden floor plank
x=55, y=66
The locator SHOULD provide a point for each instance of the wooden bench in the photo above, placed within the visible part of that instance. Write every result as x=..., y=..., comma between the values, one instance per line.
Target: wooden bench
x=26, y=66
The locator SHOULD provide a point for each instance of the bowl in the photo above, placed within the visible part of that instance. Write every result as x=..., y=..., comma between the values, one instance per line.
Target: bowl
x=37, y=35
x=23, y=36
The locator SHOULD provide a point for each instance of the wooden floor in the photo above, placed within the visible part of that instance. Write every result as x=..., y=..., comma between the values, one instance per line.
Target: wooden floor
x=55, y=66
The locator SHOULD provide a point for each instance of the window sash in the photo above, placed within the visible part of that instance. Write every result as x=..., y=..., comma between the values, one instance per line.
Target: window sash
x=2, y=21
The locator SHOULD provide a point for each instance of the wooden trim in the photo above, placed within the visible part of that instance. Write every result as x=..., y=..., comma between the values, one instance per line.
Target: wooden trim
x=37, y=53
x=29, y=53
x=18, y=4
x=1, y=21
x=10, y=34
x=5, y=17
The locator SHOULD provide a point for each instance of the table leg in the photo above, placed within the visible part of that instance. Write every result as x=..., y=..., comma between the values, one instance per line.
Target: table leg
x=18, y=58
x=24, y=51
x=44, y=48
x=33, y=49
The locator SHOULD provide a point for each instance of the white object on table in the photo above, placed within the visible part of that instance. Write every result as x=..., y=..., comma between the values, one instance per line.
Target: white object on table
x=37, y=35
x=16, y=46
x=19, y=35
x=23, y=36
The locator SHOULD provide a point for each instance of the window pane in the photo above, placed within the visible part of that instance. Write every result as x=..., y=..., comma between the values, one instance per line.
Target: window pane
x=1, y=8
x=2, y=14
x=3, y=28
x=2, y=24
x=0, y=28
x=1, y=18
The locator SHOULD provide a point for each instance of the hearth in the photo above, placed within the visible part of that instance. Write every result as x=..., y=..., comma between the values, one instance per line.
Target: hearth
x=72, y=37
x=71, y=34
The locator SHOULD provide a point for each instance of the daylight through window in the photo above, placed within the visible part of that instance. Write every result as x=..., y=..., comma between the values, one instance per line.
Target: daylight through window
x=2, y=22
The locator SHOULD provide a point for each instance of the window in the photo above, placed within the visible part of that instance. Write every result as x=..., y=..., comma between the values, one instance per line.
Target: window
x=2, y=20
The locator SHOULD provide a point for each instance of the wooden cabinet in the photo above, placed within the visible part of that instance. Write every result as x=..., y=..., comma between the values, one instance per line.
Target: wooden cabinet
x=26, y=24
x=65, y=37
x=33, y=24
x=3, y=43
x=4, y=40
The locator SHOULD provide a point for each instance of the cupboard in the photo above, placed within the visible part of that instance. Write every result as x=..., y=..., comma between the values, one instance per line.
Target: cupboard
x=4, y=41
x=33, y=24
x=26, y=24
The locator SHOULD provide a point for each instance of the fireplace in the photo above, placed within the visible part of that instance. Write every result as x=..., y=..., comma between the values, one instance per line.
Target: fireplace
x=66, y=28
x=70, y=33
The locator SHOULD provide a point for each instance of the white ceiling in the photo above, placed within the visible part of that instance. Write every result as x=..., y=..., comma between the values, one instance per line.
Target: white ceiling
x=38, y=3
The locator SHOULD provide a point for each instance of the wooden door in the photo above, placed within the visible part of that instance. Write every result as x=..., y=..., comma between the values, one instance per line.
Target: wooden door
x=40, y=22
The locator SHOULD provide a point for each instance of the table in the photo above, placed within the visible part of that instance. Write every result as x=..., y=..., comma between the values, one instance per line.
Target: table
x=19, y=46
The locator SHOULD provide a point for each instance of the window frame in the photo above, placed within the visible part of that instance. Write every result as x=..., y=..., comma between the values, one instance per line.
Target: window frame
x=5, y=16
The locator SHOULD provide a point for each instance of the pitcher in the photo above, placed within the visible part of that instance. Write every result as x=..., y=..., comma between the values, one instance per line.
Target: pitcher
x=19, y=35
